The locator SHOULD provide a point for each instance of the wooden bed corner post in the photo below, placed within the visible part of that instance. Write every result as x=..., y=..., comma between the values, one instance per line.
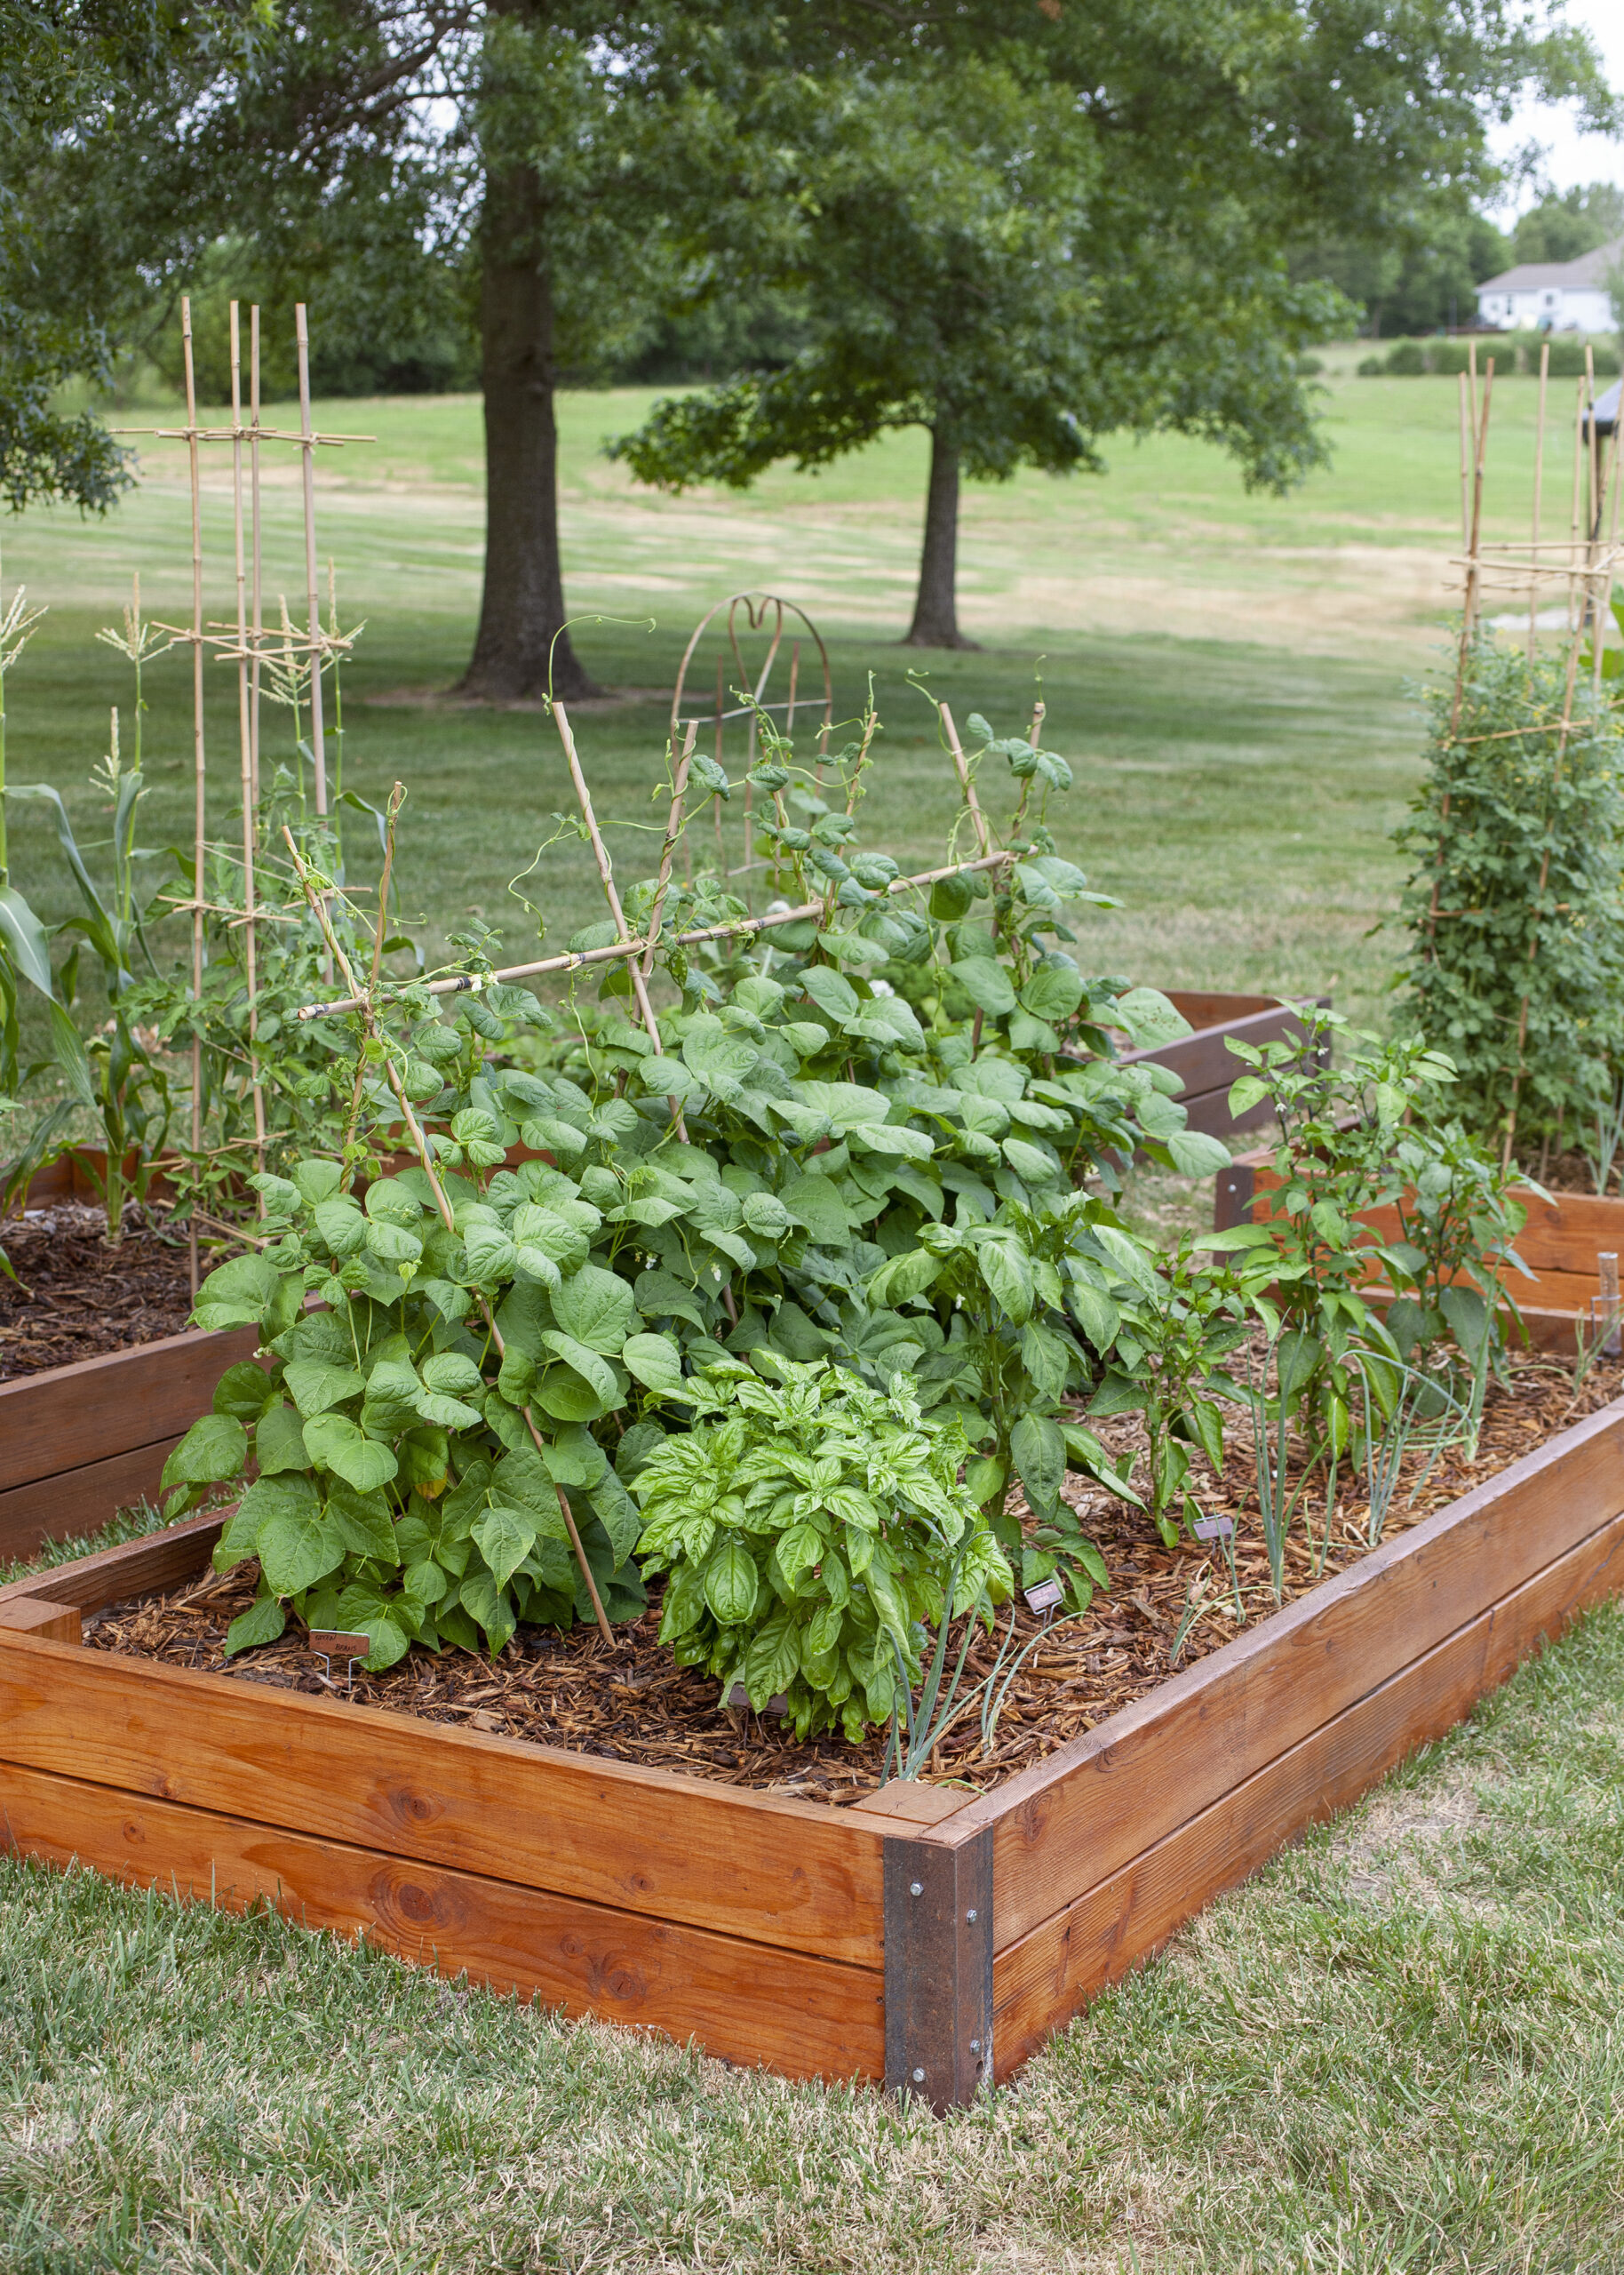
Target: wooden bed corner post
x=938, y=1966
x=1232, y=1196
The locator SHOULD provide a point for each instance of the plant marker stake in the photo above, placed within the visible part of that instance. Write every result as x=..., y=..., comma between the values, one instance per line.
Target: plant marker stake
x=1044, y=1596
x=1213, y=1527
x=447, y=1216
x=978, y=820
x=329, y=1643
x=606, y=878
x=736, y=929
x=318, y=748
x=1607, y=1275
x=197, y=755
x=246, y=741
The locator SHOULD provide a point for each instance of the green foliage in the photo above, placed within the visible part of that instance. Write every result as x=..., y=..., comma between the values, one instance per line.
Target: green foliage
x=92, y=103
x=1179, y=1320
x=1516, y=966
x=811, y=1537
x=412, y=1482
x=1354, y=1138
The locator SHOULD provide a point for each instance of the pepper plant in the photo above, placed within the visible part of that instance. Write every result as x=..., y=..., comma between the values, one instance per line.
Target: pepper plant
x=1355, y=1137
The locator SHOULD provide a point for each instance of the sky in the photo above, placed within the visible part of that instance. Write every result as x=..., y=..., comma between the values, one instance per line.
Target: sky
x=1572, y=158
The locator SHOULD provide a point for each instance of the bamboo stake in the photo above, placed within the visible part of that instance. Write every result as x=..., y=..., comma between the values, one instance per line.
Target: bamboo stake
x=254, y=460
x=352, y=1119
x=674, y=831
x=246, y=742
x=721, y=857
x=199, y=816
x=744, y=928
x=606, y=877
x=1603, y=607
x=1564, y=729
x=1539, y=471
x=978, y=820
x=425, y=1153
x=1480, y=431
x=318, y=750
x=752, y=730
x=1579, y=437
x=1467, y=452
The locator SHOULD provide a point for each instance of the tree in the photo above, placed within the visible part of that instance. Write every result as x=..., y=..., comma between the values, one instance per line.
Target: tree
x=597, y=160
x=1425, y=280
x=1088, y=227
x=78, y=84
x=1561, y=227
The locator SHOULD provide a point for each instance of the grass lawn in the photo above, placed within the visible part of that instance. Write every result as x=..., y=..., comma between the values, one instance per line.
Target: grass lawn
x=1397, y=2048
x=1228, y=674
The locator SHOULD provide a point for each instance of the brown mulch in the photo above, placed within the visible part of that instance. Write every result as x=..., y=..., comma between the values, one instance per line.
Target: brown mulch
x=635, y=1705
x=80, y=1297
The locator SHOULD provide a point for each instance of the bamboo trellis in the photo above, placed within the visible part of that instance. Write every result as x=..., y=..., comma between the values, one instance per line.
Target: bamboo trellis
x=244, y=642
x=1584, y=565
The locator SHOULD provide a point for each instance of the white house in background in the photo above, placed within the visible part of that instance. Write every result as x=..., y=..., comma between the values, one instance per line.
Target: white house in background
x=1553, y=295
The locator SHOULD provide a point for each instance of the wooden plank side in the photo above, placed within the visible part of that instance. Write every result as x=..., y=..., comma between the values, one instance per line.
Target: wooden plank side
x=59, y=1623
x=774, y=1870
x=70, y=1416
x=1056, y=1968
x=1562, y=1235
x=158, y=1560
x=1216, y=1010
x=1099, y=1801
x=1203, y=1061
x=805, y=2017
x=79, y=1500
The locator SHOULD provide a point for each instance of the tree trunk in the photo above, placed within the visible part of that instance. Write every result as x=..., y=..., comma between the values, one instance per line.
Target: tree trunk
x=935, y=611
x=522, y=649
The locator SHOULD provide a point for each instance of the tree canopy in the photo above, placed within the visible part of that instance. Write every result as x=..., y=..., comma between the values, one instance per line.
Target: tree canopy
x=1094, y=226
x=1028, y=226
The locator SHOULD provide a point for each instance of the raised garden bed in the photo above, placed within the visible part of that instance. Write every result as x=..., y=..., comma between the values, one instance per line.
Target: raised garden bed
x=1560, y=1243
x=81, y=1439
x=926, y=1936
x=1203, y=1061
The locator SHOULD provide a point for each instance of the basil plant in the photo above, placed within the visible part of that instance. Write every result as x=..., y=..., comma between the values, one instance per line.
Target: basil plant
x=812, y=1529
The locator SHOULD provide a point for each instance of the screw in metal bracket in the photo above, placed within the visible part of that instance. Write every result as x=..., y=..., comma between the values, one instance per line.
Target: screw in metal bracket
x=970, y=1916
x=918, y=1888
x=975, y=2046
x=918, y=2077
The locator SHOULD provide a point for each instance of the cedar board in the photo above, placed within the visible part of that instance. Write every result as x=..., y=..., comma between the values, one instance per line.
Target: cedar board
x=755, y=1924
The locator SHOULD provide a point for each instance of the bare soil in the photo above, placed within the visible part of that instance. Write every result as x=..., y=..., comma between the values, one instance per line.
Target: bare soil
x=80, y=1296
x=634, y=1704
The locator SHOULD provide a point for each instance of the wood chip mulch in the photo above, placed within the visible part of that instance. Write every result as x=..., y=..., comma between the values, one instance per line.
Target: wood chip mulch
x=79, y=1296
x=635, y=1705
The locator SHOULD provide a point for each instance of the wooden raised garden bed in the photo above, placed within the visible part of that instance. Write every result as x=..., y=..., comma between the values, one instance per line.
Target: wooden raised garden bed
x=1206, y=1066
x=921, y=1938
x=78, y=1441
x=1560, y=1243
